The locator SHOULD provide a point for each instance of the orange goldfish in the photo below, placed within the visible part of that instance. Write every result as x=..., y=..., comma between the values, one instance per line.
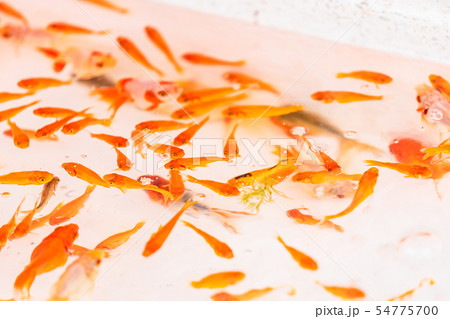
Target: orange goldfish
x=26, y=178
x=161, y=126
x=41, y=221
x=116, y=240
x=67, y=28
x=132, y=50
x=157, y=39
x=231, y=149
x=198, y=58
x=374, y=77
x=365, y=189
x=300, y=218
x=123, y=162
x=34, y=84
x=23, y=228
x=198, y=109
x=248, y=81
x=75, y=127
x=123, y=183
x=342, y=96
x=204, y=95
x=249, y=295
x=8, y=10
x=246, y=111
x=116, y=141
x=302, y=259
x=9, y=113
x=32, y=135
x=410, y=292
x=6, y=96
x=328, y=163
x=223, y=189
x=176, y=185
x=320, y=177
x=186, y=136
x=63, y=213
x=57, y=112
x=346, y=293
x=414, y=171
x=192, y=162
x=220, y=248
x=157, y=239
x=8, y=229
x=440, y=84
x=57, y=125
x=21, y=140
x=432, y=151
x=172, y=151
x=84, y=173
x=50, y=254
x=219, y=280
x=78, y=277
x=108, y=5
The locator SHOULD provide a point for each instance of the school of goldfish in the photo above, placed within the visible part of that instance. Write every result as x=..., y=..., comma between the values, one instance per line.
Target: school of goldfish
x=196, y=106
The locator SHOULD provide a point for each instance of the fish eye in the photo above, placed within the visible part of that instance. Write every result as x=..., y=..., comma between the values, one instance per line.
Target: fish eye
x=42, y=179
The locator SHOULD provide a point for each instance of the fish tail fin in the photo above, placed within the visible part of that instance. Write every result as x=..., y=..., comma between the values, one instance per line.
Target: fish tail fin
x=341, y=75
x=59, y=65
x=191, y=179
x=240, y=63
x=23, y=283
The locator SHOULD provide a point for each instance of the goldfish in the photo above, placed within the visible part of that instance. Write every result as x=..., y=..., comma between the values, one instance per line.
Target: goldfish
x=231, y=149
x=116, y=240
x=8, y=10
x=23, y=228
x=161, y=126
x=302, y=259
x=320, y=177
x=78, y=277
x=410, y=292
x=172, y=151
x=300, y=218
x=132, y=51
x=26, y=178
x=157, y=39
x=219, y=280
x=123, y=183
x=186, y=136
x=48, y=191
x=220, y=248
x=365, y=189
x=346, y=293
x=21, y=140
x=35, y=84
x=374, y=77
x=6, y=96
x=205, y=95
x=50, y=129
x=190, y=163
x=201, y=108
x=84, y=173
x=434, y=106
x=246, y=111
x=32, y=135
x=342, y=97
x=108, y=5
x=327, y=162
x=41, y=221
x=123, y=162
x=248, y=81
x=67, y=28
x=249, y=295
x=223, y=189
x=414, y=171
x=176, y=185
x=63, y=213
x=50, y=254
x=8, y=229
x=57, y=112
x=158, y=238
x=440, y=84
x=408, y=151
x=75, y=127
x=9, y=113
x=199, y=58
x=271, y=175
x=432, y=151
x=116, y=141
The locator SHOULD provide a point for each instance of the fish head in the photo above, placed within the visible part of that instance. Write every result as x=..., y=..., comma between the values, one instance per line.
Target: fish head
x=168, y=90
x=303, y=177
x=41, y=177
x=418, y=171
x=67, y=233
x=113, y=179
x=70, y=168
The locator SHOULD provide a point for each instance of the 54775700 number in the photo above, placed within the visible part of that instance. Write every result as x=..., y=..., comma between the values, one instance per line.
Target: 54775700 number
x=406, y=310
